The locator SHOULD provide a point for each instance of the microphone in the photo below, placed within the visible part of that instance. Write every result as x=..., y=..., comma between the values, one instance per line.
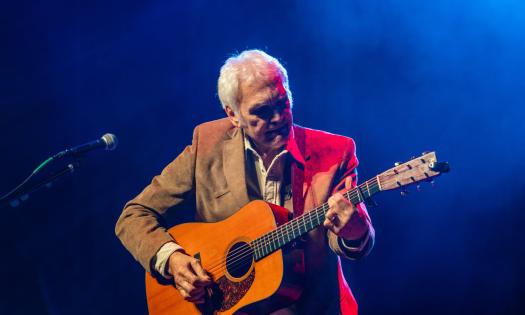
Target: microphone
x=108, y=142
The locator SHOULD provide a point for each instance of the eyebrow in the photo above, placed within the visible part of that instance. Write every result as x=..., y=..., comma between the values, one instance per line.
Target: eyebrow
x=271, y=101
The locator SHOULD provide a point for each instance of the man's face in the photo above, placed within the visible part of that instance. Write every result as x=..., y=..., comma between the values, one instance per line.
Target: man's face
x=264, y=114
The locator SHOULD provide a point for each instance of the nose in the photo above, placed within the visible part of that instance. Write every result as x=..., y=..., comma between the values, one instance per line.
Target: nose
x=276, y=116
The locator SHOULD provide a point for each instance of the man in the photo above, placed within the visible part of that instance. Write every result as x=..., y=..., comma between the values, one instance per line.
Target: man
x=255, y=153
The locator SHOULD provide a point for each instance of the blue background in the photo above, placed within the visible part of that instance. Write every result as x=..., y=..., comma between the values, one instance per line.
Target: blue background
x=400, y=77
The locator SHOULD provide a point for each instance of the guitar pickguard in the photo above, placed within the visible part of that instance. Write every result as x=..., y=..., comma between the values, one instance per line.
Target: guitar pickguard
x=232, y=291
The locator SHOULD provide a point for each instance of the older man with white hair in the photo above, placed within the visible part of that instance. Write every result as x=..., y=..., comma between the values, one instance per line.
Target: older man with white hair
x=256, y=152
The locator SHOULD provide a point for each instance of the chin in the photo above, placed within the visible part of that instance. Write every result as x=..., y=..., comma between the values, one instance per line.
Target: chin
x=279, y=142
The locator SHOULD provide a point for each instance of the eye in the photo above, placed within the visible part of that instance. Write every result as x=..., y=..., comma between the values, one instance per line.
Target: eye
x=283, y=104
x=266, y=112
x=263, y=112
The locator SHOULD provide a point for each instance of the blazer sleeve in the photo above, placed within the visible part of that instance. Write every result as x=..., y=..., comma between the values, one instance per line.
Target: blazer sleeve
x=348, y=167
x=140, y=226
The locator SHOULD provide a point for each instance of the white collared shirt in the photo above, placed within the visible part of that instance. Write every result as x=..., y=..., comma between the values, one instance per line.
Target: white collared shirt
x=270, y=180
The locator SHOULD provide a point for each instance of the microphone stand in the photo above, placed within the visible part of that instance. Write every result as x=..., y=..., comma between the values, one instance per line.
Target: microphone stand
x=15, y=200
x=21, y=193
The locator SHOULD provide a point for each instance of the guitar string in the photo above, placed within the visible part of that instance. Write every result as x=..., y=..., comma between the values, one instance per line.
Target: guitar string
x=283, y=231
x=238, y=262
x=247, y=250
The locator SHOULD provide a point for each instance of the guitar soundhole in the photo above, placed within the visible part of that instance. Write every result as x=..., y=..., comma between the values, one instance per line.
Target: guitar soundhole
x=239, y=259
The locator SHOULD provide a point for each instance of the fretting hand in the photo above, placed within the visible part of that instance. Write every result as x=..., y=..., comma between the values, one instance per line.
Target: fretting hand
x=343, y=218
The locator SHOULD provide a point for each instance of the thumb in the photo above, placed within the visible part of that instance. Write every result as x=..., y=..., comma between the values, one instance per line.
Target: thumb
x=348, y=182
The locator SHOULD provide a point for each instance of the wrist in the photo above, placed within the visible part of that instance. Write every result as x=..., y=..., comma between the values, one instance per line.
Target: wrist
x=355, y=242
x=161, y=260
x=358, y=227
x=172, y=257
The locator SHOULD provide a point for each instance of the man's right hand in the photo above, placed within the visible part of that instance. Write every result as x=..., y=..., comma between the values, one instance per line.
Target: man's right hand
x=189, y=277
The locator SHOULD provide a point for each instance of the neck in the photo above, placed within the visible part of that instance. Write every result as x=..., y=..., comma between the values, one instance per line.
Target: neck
x=268, y=156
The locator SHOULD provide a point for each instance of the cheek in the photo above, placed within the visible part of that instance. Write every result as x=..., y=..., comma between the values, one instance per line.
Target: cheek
x=256, y=124
x=288, y=114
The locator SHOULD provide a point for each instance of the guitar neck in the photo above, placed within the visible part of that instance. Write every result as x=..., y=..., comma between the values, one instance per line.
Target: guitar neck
x=288, y=232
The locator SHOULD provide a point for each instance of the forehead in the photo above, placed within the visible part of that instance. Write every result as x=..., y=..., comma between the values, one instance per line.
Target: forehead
x=263, y=91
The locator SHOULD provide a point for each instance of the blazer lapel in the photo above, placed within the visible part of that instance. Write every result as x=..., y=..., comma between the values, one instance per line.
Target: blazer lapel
x=299, y=185
x=234, y=166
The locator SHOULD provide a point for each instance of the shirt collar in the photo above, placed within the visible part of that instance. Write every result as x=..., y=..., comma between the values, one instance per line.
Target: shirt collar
x=291, y=147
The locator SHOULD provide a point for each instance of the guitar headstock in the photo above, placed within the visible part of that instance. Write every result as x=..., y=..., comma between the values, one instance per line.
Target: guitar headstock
x=423, y=168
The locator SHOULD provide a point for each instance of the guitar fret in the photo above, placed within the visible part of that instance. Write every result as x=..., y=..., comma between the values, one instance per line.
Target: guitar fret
x=254, y=249
x=280, y=237
x=272, y=241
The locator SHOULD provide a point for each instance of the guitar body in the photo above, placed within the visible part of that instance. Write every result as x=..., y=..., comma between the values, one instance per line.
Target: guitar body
x=243, y=253
x=241, y=283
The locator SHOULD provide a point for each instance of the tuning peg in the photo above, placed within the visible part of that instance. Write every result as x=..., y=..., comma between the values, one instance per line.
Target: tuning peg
x=404, y=192
x=397, y=163
x=418, y=187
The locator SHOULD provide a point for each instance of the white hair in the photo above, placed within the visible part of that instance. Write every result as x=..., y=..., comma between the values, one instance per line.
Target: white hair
x=248, y=66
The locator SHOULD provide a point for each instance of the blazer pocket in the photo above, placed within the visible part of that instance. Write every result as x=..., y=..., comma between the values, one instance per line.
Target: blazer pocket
x=219, y=193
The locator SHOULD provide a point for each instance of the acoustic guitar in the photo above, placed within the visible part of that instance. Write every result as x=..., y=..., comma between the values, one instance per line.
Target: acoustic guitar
x=243, y=253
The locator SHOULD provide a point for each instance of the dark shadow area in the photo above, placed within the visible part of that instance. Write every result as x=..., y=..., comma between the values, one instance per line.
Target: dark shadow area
x=399, y=77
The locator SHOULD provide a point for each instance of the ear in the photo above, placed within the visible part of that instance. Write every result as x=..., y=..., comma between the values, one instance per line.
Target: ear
x=232, y=116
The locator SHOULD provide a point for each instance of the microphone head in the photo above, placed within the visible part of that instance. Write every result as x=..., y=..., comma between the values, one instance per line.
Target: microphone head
x=110, y=140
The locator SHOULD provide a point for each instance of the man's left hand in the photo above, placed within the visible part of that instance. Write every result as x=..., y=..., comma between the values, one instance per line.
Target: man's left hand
x=343, y=218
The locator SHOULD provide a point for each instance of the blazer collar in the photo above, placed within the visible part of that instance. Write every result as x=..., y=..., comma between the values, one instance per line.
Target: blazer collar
x=295, y=147
x=233, y=165
x=234, y=162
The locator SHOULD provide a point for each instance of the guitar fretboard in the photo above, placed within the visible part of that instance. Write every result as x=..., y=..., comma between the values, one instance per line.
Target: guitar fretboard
x=286, y=233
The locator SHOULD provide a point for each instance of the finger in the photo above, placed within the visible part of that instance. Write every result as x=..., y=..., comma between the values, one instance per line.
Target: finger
x=340, y=200
x=200, y=301
x=329, y=219
x=328, y=224
x=203, y=277
x=196, y=290
x=191, y=293
x=348, y=182
x=182, y=292
x=187, y=275
x=185, y=287
x=343, y=207
x=194, y=297
x=331, y=202
x=330, y=214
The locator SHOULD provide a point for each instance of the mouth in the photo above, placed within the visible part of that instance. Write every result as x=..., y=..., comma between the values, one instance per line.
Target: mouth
x=282, y=131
